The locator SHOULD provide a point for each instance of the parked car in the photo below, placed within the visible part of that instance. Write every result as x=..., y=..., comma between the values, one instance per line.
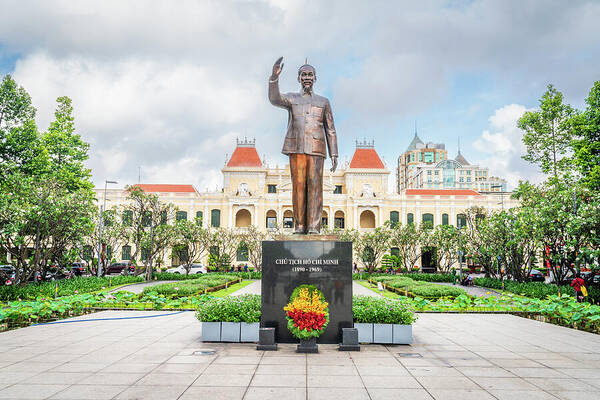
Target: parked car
x=120, y=268
x=536, y=276
x=77, y=269
x=7, y=275
x=194, y=269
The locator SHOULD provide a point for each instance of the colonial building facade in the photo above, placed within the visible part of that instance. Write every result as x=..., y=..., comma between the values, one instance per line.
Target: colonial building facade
x=427, y=166
x=355, y=196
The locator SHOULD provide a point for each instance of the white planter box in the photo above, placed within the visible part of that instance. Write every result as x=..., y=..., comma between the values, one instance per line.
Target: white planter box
x=365, y=332
x=382, y=333
x=211, y=331
x=230, y=331
x=402, y=334
x=249, y=332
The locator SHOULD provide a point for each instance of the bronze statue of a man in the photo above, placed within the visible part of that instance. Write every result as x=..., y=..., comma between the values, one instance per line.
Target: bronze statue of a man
x=310, y=126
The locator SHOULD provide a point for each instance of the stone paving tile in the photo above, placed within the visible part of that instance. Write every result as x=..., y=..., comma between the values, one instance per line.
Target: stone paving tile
x=294, y=381
x=386, y=382
x=331, y=370
x=337, y=393
x=172, y=368
x=89, y=392
x=492, y=372
x=58, y=378
x=462, y=394
x=223, y=380
x=504, y=383
x=30, y=391
x=339, y=381
x=283, y=369
x=29, y=366
x=223, y=369
x=434, y=371
x=382, y=371
x=129, y=367
x=573, y=395
x=569, y=384
x=582, y=373
x=399, y=394
x=276, y=393
x=543, y=372
x=80, y=367
x=114, y=378
x=214, y=392
x=522, y=394
x=151, y=393
x=446, y=382
x=159, y=379
x=10, y=377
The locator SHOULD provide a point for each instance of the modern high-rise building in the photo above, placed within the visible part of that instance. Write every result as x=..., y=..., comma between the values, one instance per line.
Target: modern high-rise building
x=427, y=166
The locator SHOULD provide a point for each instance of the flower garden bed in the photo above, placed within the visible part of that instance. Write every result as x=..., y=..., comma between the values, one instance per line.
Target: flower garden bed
x=408, y=287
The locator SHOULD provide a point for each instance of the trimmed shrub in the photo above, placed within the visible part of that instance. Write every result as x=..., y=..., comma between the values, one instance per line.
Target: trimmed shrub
x=244, y=308
x=379, y=310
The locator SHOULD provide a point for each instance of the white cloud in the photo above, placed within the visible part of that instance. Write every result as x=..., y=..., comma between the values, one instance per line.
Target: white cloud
x=501, y=147
x=165, y=83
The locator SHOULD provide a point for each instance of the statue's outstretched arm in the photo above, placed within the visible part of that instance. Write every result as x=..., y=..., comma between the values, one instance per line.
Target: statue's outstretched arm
x=275, y=96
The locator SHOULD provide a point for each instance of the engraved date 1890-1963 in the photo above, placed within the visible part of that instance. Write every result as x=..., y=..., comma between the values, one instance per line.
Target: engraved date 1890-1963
x=307, y=269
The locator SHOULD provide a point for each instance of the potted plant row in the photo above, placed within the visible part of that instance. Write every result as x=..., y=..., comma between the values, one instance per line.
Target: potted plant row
x=230, y=319
x=381, y=320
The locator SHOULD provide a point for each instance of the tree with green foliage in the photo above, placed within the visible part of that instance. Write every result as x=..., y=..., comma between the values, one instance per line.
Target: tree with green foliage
x=548, y=133
x=369, y=246
x=586, y=142
x=253, y=237
x=147, y=226
x=445, y=238
x=408, y=239
x=190, y=239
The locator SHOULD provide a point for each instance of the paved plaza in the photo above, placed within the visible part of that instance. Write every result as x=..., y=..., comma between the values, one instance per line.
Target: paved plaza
x=455, y=356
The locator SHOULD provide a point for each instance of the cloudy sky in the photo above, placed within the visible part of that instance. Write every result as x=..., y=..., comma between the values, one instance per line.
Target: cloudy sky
x=168, y=85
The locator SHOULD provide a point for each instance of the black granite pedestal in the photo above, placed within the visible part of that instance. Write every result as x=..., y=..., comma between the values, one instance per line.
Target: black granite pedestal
x=327, y=264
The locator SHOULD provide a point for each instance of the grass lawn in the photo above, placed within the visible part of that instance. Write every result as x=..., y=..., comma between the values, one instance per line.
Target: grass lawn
x=385, y=293
x=230, y=289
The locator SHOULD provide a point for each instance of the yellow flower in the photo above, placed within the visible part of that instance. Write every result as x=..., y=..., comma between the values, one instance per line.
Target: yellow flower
x=307, y=303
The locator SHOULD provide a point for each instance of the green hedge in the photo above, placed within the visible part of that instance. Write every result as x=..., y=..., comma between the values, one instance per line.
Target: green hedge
x=191, y=287
x=66, y=287
x=536, y=290
x=437, y=291
x=413, y=275
x=167, y=276
x=245, y=308
x=378, y=310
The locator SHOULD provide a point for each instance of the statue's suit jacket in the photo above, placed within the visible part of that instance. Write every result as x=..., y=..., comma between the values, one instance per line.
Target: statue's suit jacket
x=310, y=122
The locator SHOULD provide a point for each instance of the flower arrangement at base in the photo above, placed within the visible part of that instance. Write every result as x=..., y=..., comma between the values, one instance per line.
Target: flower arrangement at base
x=307, y=312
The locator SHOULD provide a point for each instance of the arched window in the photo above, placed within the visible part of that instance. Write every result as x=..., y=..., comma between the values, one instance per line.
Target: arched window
x=367, y=219
x=394, y=251
x=324, y=219
x=394, y=218
x=339, y=220
x=181, y=216
x=444, y=219
x=243, y=219
x=288, y=219
x=199, y=217
x=271, y=222
x=215, y=218
x=428, y=220
x=410, y=218
x=461, y=220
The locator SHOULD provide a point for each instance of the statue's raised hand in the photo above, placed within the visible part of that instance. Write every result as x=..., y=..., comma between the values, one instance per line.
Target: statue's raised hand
x=277, y=67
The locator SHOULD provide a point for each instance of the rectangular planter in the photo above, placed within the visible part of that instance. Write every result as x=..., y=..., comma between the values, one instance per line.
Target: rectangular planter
x=230, y=331
x=402, y=334
x=365, y=332
x=211, y=331
x=249, y=332
x=382, y=333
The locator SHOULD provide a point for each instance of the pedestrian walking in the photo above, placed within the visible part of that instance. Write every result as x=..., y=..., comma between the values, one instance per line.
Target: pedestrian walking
x=579, y=285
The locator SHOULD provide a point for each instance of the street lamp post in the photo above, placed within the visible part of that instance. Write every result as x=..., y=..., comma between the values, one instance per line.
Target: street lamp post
x=101, y=227
x=458, y=225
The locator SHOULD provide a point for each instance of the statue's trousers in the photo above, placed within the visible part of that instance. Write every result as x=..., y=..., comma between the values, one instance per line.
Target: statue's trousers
x=307, y=191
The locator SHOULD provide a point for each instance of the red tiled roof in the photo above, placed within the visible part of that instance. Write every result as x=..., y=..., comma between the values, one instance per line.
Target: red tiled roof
x=442, y=192
x=244, y=157
x=155, y=188
x=366, y=158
